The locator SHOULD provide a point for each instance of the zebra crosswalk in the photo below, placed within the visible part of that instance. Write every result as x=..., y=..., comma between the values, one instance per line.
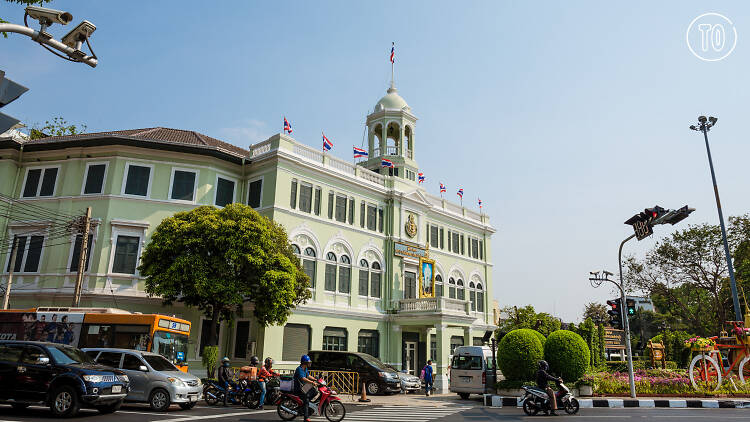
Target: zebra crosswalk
x=402, y=413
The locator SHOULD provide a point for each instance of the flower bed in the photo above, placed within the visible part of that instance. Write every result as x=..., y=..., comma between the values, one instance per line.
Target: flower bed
x=700, y=344
x=657, y=382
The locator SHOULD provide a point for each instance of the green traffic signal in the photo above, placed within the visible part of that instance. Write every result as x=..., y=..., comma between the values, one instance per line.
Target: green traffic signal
x=630, y=303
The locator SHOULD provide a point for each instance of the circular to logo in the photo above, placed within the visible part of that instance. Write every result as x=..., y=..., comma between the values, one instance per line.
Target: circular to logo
x=711, y=37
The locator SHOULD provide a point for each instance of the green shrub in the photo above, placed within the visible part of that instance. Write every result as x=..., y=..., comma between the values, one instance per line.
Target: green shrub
x=567, y=354
x=519, y=353
x=674, y=346
x=541, y=337
x=210, y=359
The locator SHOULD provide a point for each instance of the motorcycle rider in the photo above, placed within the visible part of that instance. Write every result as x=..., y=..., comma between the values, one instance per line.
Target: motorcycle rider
x=302, y=378
x=264, y=375
x=542, y=378
x=225, y=378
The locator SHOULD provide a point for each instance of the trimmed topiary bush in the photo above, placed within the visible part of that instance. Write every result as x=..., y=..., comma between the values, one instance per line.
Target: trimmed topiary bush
x=567, y=354
x=519, y=353
x=541, y=337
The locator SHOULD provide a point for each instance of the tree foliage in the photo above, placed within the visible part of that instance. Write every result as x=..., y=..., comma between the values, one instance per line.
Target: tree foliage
x=686, y=274
x=513, y=318
x=217, y=260
x=596, y=311
x=57, y=127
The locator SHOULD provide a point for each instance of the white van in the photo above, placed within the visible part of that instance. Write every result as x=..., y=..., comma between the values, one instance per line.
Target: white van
x=472, y=371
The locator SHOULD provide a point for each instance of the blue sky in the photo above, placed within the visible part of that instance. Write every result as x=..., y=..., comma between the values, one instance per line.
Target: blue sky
x=566, y=118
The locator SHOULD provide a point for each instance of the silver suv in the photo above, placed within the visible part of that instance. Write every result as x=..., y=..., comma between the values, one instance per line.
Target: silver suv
x=153, y=379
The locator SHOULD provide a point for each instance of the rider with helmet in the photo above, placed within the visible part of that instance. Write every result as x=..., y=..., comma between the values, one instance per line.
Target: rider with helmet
x=264, y=375
x=542, y=378
x=301, y=379
x=225, y=377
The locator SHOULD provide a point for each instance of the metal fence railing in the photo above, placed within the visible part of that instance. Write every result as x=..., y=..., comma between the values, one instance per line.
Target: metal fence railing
x=342, y=382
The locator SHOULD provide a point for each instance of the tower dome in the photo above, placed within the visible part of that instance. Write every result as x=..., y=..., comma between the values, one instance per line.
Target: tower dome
x=391, y=101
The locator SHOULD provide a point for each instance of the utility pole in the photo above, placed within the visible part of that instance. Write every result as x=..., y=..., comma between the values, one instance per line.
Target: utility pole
x=82, y=257
x=13, y=253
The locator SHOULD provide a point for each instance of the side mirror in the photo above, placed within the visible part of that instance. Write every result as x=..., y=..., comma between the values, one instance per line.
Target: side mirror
x=143, y=368
x=42, y=360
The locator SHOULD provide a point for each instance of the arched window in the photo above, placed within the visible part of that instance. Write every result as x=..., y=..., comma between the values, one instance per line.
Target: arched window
x=461, y=292
x=472, y=296
x=330, y=277
x=408, y=141
x=375, y=275
x=296, y=250
x=438, y=285
x=451, y=288
x=480, y=298
x=377, y=141
x=393, y=138
x=308, y=263
x=364, y=277
x=345, y=274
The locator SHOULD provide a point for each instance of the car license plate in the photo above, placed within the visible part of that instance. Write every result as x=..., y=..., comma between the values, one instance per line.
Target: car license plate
x=466, y=379
x=193, y=398
x=116, y=389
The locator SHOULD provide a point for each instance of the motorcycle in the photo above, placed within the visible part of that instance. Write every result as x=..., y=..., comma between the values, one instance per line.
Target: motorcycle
x=326, y=403
x=214, y=393
x=251, y=396
x=535, y=400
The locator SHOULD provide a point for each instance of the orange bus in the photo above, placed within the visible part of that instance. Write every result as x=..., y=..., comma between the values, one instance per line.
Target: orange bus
x=100, y=327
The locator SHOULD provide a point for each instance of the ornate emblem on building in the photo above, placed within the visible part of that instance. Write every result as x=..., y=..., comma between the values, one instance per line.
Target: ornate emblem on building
x=410, y=226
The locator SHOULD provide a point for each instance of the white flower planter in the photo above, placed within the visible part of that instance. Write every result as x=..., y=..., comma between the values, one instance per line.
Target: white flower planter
x=586, y=390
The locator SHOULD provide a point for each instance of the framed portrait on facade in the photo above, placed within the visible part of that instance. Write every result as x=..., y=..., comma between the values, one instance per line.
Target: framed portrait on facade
x=426, y=277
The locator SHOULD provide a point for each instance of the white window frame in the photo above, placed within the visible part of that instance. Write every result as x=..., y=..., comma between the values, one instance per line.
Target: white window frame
x=94, y=232
x=86, y=176
x=216, y=188
x=125, y=179
x=262, y=187
x=41, y=178
x=196, y=172
x=299, y=196
x=126, y=228
x=13, y=232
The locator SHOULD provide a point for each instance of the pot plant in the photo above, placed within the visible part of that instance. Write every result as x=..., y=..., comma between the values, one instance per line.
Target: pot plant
x=585, y=385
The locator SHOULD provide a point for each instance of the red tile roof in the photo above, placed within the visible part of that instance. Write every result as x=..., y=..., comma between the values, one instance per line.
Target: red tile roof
x=156, y=134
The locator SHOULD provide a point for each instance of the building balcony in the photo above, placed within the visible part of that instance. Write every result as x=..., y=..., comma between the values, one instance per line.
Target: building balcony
x=434, y=305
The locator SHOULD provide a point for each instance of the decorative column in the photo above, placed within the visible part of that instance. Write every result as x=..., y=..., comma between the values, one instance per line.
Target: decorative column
x=396, y=349
x=467, y=336
x=443, y=352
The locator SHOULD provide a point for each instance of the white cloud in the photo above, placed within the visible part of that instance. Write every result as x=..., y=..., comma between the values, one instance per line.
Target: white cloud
x=250, y=132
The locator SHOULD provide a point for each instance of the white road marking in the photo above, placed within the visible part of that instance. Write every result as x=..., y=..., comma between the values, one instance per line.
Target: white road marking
x=220, y=415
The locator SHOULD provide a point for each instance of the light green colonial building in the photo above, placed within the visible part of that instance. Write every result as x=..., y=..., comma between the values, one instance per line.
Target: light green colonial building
x=370, y=238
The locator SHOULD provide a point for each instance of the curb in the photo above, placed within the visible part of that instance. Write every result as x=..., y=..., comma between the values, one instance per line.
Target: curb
x=499, y=401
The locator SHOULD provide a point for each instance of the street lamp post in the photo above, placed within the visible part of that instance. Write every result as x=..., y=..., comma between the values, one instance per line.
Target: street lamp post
x=704, y=125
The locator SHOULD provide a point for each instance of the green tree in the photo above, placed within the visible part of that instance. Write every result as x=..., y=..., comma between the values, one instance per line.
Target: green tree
x=596, y=311
x=687, y=278
x=57, y=127
x=513, y=318
x=216, y=260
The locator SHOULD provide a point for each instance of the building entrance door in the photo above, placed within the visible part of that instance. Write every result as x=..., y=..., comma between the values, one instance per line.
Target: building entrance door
x=411, y=357
x=410, y=285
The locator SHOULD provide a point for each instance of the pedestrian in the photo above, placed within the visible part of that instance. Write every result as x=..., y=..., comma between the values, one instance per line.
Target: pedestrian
x=427, y=378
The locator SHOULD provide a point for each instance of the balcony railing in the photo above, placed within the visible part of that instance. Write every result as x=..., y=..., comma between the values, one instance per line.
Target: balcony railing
x=427, y=305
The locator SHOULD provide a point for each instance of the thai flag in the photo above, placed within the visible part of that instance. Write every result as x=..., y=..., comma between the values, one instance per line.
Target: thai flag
x=386, y=163
x=420, y=177
x=393, y=52
x=442, y=188
x=287, y=126
x=480, y=202
x=359, y=152
x=460, y=193
x=327, y=144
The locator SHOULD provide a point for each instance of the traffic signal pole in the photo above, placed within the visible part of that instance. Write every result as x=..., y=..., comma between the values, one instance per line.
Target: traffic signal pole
x=625, y=322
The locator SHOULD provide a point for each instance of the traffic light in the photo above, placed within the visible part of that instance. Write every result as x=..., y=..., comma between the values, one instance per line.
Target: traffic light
x=643, y=222
x=674, y=216
x=9, y=91
x=630, y=304
x=615, y=317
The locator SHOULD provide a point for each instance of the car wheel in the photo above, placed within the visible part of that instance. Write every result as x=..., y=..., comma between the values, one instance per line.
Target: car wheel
x=19, y=406
x=159, y=400
x=464, y=396
x=64, y=402
x=110, y=408
x=187, y=406
x=373, y=387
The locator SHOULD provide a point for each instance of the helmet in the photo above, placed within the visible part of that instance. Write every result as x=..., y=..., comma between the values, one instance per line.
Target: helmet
x=543, y=365
x=268, y=362
x=305, y=359
x=253, y=360
x=225, y=361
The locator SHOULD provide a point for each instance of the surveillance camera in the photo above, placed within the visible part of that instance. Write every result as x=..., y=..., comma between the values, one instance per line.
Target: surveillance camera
x=74, y=38
x=49, y=16
x=713, y=120
x=702, y=119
